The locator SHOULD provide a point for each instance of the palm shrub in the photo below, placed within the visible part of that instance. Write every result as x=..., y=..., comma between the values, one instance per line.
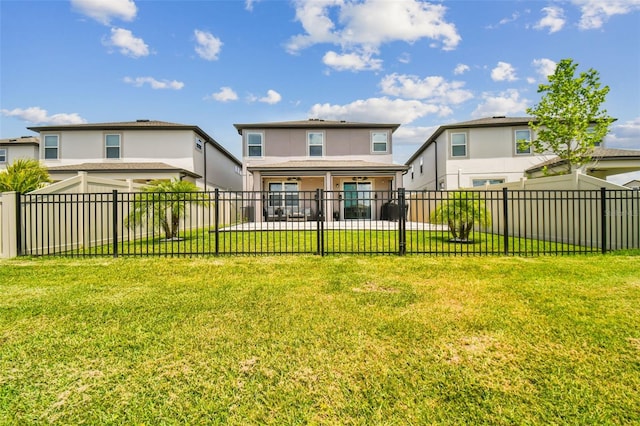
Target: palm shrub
x=163, y=203
x=461, y=211
x=24, y=175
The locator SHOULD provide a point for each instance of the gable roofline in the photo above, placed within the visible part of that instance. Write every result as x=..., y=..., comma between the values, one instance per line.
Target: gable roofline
x=599, y=154
x=138, y=125
x=315, y=123
x=496, y=121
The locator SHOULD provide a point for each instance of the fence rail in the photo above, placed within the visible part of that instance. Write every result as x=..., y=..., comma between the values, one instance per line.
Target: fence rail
x=506, y=222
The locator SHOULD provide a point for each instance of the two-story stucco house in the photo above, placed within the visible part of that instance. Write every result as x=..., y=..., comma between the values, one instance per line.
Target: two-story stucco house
x=473, y=153
x=16, y=148
x=352, y=160
x=141, y=150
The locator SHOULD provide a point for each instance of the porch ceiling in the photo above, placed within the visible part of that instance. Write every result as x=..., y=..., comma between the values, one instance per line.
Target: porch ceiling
x=307, y=167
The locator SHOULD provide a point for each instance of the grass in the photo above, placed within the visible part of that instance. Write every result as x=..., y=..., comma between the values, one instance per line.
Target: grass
x=334, y=242
x=333, y=340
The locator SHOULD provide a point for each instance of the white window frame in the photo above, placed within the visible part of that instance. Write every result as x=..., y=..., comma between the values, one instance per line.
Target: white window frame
x=309, y=144
x=119, y=146
x=56, y=147
x=261, y=145
x=466, y=145
x=421, y=165
x=287, y=196
x=484, y=180
x=374, y=142
x=198, y=144
x=3, y=155
x=516, y=150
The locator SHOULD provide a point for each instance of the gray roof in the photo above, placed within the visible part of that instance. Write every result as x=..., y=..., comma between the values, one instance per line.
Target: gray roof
x=599, y=154
x=326, y=165
x=316, y=123
x=137, y=125
x=496, y=121
x=117, y=167
x=26, y=140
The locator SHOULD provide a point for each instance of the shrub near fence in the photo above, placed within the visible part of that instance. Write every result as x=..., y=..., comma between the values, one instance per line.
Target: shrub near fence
x=519, y=222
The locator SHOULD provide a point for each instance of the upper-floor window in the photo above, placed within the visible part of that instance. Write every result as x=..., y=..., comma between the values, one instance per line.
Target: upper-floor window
x=112, y=146
x=458, y=144
x=522, y=140
x=379, y=141
x=411, y=170
x=3, y=155
x=254, y=144
x=315, y=142
x=51, y=147
x=592, y=129
x=198, y=144
x=421, y=165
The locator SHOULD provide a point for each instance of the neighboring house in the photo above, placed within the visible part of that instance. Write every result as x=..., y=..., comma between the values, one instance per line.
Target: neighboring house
x=351, y=160
x=634, y=184
x=604, y=162
x=473, y=153
x=141, y=150
x=13, y=149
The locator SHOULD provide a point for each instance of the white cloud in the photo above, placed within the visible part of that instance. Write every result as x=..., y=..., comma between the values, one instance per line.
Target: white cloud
x=544, y=68
x=38, y=115
x=433, y=88
x=225, y=94
x=461, y=69
x=503, y=72
x=365, y=25
x=506, y=103
x=208, y=47
x=404, y=58
x=378, y=110
x=351, y=61
x=154, y=84
x=624, y=135
x=128, y=44
x=412, y=135
x=596, y=12
x=248, y=4
x=272, y=97
x=553, y=20
x=105, y=11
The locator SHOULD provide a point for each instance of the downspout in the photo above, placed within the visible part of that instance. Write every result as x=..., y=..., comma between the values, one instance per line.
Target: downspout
x=436, y=158
x=205, y=165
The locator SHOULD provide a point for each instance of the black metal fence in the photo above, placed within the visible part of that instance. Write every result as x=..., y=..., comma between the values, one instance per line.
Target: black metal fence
x=505, y=222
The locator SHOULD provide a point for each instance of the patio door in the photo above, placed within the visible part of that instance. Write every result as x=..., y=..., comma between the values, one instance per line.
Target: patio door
x=283, y=194
x=357, y=200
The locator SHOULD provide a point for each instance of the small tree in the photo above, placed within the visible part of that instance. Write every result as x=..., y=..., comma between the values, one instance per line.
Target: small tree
x=461, y=212
x=163, y=203
x=24, y=175
x=568, y=121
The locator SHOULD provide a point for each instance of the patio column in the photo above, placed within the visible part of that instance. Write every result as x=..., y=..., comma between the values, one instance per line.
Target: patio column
x=328, y=189
x=257, y=187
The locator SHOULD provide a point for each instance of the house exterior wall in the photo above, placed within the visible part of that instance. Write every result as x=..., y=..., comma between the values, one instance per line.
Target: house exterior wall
x=490, y=155
x=180, y=148
x=15, y=151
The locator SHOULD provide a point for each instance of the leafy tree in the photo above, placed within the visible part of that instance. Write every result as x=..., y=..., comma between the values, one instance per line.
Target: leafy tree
x=569, y=121
x=461, y=212
x=163, y=203
x=24, y=175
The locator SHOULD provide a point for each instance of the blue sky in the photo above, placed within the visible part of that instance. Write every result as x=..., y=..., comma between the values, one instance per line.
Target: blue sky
x=214, y=63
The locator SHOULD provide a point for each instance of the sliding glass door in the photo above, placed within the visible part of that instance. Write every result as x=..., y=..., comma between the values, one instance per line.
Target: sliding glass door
x=357, y=200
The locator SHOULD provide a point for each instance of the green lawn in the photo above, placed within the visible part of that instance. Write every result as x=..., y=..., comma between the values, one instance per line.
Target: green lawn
x=321, y=340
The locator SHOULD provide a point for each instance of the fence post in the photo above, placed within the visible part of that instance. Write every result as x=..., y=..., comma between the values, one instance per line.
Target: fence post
x=402, y=233
x=505, y=214
x=216, y=220
x=18, y=224
x=603, y=219
x=320, y=222
x=115, y=222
